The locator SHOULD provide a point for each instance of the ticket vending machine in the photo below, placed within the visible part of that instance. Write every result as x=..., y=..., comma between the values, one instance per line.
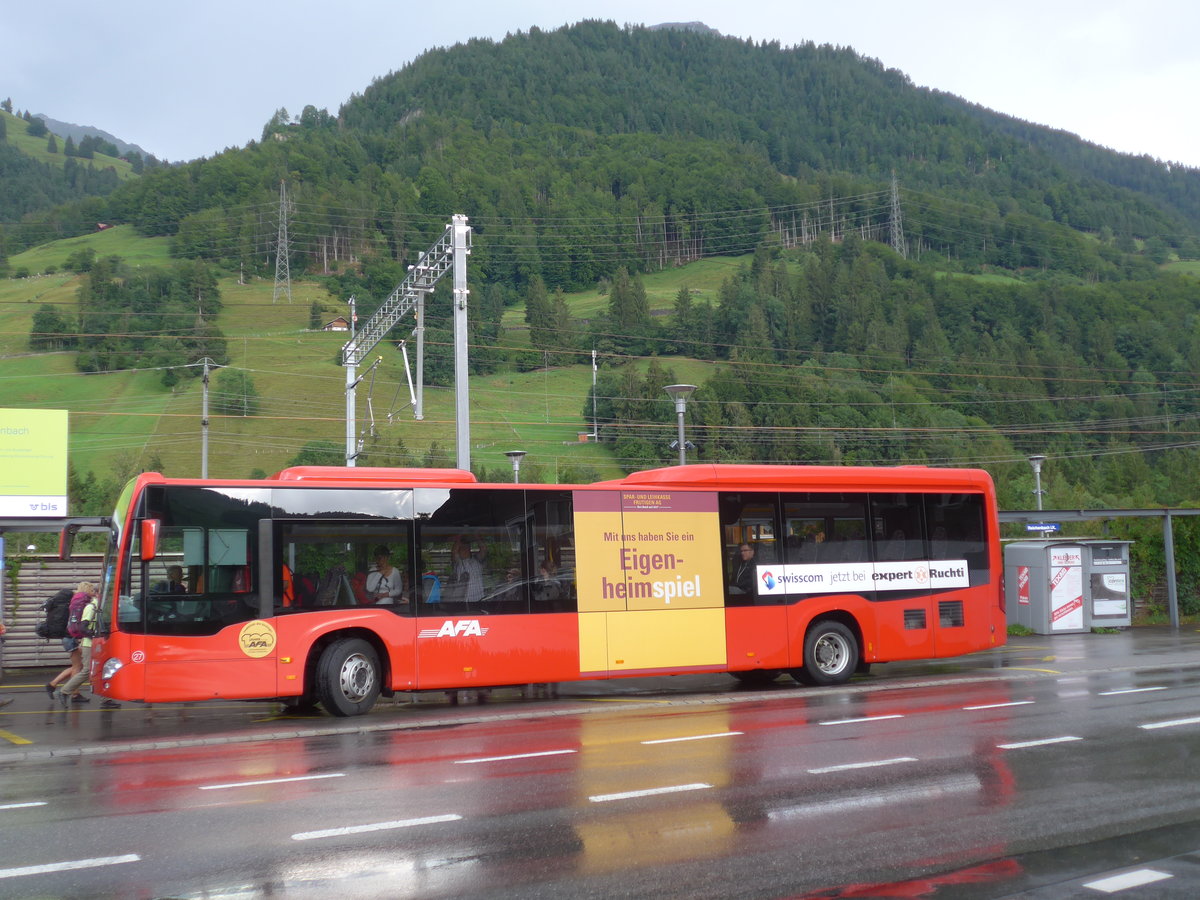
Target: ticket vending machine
x=1108, y=585
x=1062, y=586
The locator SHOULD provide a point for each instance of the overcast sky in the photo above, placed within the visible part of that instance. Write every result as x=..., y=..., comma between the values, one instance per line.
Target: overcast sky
x=184, y=80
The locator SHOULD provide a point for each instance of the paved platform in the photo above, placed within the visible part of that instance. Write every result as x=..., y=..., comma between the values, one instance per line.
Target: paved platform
x=34, y=726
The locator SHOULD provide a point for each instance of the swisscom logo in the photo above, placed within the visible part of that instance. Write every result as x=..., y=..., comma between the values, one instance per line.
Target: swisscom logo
x=769, y=580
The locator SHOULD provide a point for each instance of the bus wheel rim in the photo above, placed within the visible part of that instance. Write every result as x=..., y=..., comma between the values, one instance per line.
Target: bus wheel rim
x=830, y=653
x=357, y=678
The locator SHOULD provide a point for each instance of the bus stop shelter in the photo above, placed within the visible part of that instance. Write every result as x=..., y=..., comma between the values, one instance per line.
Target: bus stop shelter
x=1088, y=515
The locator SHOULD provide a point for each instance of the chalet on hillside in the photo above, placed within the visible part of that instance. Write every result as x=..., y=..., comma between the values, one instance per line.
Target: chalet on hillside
x=338, y=324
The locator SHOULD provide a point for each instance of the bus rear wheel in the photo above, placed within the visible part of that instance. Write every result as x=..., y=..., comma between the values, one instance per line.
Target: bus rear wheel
x=348, y=677
x=830, y=655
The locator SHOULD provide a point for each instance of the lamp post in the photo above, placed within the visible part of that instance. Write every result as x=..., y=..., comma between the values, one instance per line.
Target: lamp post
x=680, y=393
x=515, y=456
x=1036, y=461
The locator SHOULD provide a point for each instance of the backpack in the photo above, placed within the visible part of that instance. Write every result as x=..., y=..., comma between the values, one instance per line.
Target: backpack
x=76, y=627
x=55, y=613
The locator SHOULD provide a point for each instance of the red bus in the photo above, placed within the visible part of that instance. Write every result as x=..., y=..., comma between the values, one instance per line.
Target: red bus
x=333, y=585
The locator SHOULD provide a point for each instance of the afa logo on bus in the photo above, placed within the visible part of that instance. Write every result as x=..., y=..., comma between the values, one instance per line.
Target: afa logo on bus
x=451, y=628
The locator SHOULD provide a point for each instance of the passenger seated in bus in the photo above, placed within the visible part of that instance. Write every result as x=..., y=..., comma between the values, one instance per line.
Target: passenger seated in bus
x=385, y=583
x=547, y=588
x=510, y=589
x=744, y=571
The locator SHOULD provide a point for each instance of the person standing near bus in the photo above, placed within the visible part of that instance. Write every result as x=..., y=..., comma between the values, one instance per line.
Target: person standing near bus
x=86, y=627
x=71, y=645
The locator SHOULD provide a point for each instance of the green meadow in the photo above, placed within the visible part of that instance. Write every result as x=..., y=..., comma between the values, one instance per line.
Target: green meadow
x=124, y=419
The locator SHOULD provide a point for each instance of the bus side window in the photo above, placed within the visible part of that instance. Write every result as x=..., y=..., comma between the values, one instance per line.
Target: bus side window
x=898, y=529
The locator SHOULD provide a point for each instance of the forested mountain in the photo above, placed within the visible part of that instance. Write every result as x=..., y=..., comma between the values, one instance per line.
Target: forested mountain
x=41, y=169
x=1003, y=296
x=79, y=133
x=594, y=146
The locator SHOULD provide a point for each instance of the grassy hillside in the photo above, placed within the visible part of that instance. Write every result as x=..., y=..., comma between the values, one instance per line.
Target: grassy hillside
x=121, y=417
x=35, y=147
x=122, y=241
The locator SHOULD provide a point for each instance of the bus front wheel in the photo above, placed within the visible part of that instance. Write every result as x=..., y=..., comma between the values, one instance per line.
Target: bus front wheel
x=830, y=655
x=348, y=678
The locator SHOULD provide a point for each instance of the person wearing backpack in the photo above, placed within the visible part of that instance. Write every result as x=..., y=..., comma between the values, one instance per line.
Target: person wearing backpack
x=54, y=616
x=81, y=626
x=54, y=626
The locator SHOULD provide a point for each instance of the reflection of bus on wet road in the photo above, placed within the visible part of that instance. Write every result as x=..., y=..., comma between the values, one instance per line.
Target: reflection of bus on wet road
x=488, y=585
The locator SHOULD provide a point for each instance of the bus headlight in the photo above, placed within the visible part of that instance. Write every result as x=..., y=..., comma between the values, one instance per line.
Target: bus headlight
x=112, y=666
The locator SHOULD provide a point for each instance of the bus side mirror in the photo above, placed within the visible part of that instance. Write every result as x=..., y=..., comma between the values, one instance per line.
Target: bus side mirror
x=149, y=539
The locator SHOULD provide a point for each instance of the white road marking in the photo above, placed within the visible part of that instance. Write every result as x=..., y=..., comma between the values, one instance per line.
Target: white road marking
x=1171, y=723
x=1131, y=691
x=862, y=719
x=1042, y=743
x=694, y=737
x=862, y=765
x=23, y=805
x=93, y=863
x=1127, y=880
x=238, y=784
x=1000, y=705
x=629, y=795
x=487, y=759
x=376, y=826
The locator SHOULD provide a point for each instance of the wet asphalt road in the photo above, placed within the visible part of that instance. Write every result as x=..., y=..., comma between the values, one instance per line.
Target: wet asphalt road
x=1036, y=770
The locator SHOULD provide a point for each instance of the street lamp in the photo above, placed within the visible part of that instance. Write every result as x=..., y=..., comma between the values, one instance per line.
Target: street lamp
x=680, y=393
x=515, y=456
x=1036, y=461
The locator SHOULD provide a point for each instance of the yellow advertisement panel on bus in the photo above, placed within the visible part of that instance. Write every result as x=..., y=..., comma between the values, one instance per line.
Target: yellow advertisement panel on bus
x=656, y=553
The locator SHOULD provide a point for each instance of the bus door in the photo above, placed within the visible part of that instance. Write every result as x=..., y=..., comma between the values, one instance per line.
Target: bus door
x=905, y=613
x=192, y=612
x=756, y=604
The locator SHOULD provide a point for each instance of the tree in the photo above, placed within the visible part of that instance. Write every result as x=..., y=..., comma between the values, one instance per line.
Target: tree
x=50, y=330
x=234, y=393
x=539, y=314
x=627, y=304
x=52, y=144
x=278, y=123
x=36, y=128
x=319, y=453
